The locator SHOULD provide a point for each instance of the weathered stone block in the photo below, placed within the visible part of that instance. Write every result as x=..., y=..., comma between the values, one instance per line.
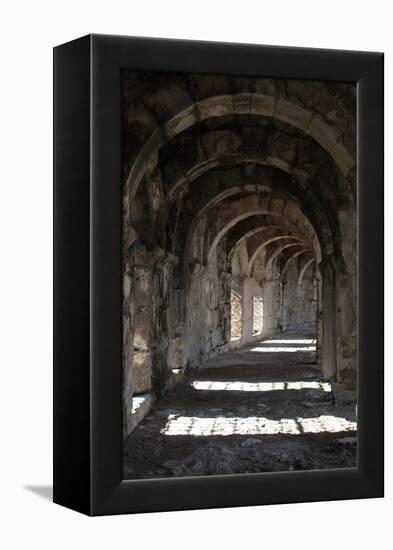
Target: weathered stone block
x=242, y=104
x=343, y=159
x=325, y=134
x=292, y=114
x=215, y=106
x=141, y=372
x=328, y=136
x=262, y=104
x=181, y=121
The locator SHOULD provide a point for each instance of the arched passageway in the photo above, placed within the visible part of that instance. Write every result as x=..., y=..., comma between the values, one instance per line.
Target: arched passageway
x=239, y=229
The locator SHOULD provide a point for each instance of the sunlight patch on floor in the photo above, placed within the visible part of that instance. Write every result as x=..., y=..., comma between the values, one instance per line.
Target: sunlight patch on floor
x=285, y=341
x=137, y=403
x=259, y=386
x=254, y=425
x=291, y=349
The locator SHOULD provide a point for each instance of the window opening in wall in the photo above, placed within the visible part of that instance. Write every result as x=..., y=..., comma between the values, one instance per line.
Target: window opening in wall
x=236, y=316
x=257, y=317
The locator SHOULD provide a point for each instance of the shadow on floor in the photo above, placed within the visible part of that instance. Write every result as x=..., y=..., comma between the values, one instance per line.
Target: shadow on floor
x=246, y=411
x=44, y=491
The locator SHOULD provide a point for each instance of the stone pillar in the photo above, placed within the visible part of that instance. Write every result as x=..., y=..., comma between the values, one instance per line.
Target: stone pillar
x=176, y=357
x=224, y=303
x=329, y=319
x=161, y=371
x=346, y=334
x=273, y=304
x=306, y=301
x=128, y=335
x=128, y=315
x=346, y=306
x=319, y=320
x=143, y=326
x=283, y=316
x=146, y=318
x=247, y=310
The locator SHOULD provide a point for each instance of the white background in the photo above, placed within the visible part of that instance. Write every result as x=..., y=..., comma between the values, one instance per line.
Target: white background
x=29, y=30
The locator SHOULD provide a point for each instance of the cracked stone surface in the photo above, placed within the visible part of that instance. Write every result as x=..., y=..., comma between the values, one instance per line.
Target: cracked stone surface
x=261, y=408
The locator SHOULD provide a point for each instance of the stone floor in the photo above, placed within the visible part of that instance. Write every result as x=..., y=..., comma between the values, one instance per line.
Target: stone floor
x=261, y=408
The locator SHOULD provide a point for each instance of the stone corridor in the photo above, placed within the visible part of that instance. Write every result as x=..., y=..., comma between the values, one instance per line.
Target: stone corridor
x=239, y=263
x=260, y=408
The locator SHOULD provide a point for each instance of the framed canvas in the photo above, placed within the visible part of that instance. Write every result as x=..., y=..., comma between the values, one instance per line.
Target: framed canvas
x=218, y=275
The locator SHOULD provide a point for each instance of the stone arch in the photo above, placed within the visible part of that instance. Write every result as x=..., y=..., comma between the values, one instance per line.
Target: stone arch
x=249, y=185
x=304, y=269
x=255, y=104
x=261, y=226
x=275, y=209
x=280, y=249
x=190, y=156
x=264, y=244
x=292, y=257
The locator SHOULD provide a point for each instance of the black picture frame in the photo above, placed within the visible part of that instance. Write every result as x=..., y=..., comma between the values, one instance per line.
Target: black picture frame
x=88, y=275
